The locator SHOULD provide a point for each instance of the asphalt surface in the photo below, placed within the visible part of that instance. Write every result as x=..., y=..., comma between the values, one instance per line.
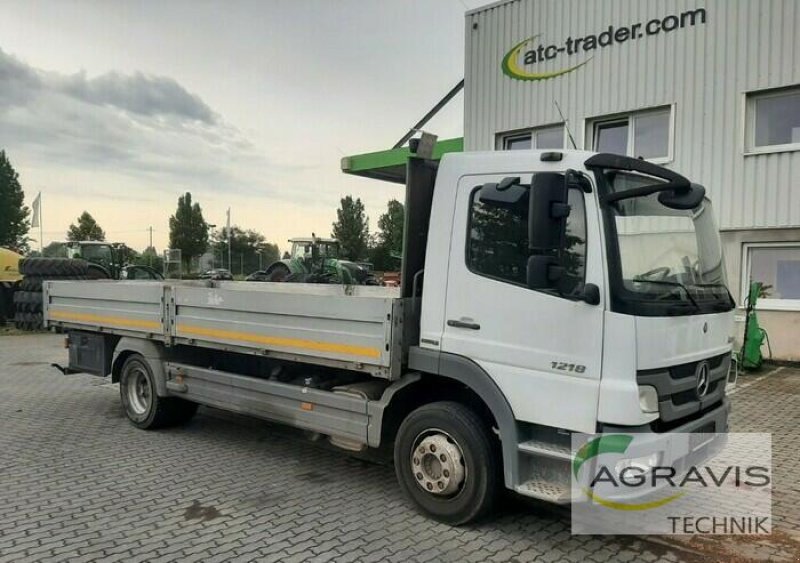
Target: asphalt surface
x=79, y=483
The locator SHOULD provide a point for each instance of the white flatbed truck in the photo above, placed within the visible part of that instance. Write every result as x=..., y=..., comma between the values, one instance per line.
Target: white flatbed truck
x=542, y=294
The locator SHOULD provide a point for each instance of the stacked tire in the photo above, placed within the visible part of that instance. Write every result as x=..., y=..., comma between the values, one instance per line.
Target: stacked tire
x=28, y=298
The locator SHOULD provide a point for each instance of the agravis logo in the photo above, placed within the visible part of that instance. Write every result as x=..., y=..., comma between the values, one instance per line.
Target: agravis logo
x=671, y=483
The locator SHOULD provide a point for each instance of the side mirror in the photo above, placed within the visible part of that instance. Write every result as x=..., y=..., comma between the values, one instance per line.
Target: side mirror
x=543, y=271
x=548, y=211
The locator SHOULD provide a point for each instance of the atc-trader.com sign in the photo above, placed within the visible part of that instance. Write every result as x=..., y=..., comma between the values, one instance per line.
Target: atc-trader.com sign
x=521, y=61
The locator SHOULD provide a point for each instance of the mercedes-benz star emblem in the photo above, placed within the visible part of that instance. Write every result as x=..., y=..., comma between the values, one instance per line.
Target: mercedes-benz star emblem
x=702, y=373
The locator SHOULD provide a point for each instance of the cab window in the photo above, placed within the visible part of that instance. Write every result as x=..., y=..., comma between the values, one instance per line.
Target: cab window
x=497, y=241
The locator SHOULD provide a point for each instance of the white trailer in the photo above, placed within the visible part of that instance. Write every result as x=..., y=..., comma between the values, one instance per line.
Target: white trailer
x=542, y=294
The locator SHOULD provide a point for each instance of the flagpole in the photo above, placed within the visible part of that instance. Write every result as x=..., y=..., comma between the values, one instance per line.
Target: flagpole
x=41, y=227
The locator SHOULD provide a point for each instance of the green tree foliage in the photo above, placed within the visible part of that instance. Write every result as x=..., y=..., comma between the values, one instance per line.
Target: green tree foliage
x=351, y=229
x=188, y=231
x=86, y=229
x=391, y=226
x=14, y=223
x=245, y=248
x=386, y=248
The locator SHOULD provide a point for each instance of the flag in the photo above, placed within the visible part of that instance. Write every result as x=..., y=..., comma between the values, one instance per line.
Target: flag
x=36, y=219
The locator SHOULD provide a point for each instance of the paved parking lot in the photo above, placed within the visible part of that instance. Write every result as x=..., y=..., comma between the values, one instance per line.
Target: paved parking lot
x=78, y=482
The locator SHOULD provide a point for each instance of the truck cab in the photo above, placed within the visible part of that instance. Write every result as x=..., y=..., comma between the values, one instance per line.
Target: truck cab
x=610, y=314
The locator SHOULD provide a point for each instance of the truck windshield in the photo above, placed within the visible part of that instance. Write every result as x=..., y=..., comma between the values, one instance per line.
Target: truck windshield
x=668, y=261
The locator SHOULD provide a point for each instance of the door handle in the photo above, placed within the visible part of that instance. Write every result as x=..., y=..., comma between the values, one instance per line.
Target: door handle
x=463, y=324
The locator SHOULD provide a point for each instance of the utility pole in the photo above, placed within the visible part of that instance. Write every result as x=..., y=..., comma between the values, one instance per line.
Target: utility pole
x=150, y=254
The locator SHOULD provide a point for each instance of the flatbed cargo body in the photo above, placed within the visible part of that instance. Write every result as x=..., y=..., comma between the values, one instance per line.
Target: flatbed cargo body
x=355, y=328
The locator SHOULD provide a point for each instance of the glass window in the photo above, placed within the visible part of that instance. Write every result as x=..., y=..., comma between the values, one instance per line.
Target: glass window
x=612, y=137
x=651, y=135
x=777, y=267
x=550, y=137
x=541, y=138
x=520, y=142
x=776, y=117
x=497, y=244
x=643, y=134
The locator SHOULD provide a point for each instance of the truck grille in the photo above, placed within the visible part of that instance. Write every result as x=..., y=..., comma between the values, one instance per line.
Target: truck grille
x=677, y=387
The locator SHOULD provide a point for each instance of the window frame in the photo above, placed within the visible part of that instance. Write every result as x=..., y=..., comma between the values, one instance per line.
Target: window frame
x=502, y=138
x=629, y=117
x=765, y=304
x=750, y=99
x=551, y=292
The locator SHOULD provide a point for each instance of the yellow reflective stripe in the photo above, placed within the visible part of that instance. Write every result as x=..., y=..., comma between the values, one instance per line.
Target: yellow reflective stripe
x=279, y=341
x=105, y=319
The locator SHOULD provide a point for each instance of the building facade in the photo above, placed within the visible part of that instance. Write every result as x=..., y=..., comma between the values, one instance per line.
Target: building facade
x=709, y=89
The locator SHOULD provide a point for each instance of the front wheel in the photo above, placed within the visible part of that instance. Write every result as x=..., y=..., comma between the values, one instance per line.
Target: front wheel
x=144, y=408
x=445, y=462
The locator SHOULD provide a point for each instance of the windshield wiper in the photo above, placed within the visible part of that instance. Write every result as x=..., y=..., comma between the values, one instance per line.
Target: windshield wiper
x=673, y=284
x=723, y=286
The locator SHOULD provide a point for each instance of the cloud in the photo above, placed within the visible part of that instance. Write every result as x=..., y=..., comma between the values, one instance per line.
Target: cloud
x=17, y=81
x=139, y=94
x=147, y=129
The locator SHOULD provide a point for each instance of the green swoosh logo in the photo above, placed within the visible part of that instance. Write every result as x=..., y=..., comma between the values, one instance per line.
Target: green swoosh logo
x=609, y=443
x=512, y=69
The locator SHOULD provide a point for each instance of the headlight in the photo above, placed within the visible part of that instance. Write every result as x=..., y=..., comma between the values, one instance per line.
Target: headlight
x=648, y=399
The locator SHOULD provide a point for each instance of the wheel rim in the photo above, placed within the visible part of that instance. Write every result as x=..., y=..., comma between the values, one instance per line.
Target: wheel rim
x=437, y=463
x=139, y=391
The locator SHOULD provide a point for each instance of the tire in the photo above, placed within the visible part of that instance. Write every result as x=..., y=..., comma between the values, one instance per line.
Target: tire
x=28, y=321
x=52, y=267
x=448, y=430
x=28, y=301
x=279, y=273
x=144, y=408
x=34, y=283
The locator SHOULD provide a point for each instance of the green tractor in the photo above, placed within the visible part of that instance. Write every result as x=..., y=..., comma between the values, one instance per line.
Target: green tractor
x=108, y=260
x=316, y=260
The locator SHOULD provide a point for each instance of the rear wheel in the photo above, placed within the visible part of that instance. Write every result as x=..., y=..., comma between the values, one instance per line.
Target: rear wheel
x=445, y=462
x=144, y=408
x=279, y=273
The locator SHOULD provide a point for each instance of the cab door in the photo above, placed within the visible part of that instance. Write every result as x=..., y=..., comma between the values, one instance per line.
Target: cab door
x=542, y=348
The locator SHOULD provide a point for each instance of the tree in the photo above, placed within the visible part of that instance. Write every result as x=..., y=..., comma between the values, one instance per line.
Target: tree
x=188, y=231
x=245, y=248
x=14, y=224
x=391, y=226
x=386, y=248
x=351, y=228
x=86, y=229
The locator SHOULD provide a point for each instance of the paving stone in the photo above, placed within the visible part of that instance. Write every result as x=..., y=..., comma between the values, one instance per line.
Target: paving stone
x=80, y=483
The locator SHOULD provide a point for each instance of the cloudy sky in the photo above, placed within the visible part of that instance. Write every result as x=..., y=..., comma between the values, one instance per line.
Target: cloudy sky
x=119, y=107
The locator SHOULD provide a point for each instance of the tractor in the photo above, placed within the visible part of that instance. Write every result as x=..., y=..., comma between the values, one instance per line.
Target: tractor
x=108, y=260
x=316, y=260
